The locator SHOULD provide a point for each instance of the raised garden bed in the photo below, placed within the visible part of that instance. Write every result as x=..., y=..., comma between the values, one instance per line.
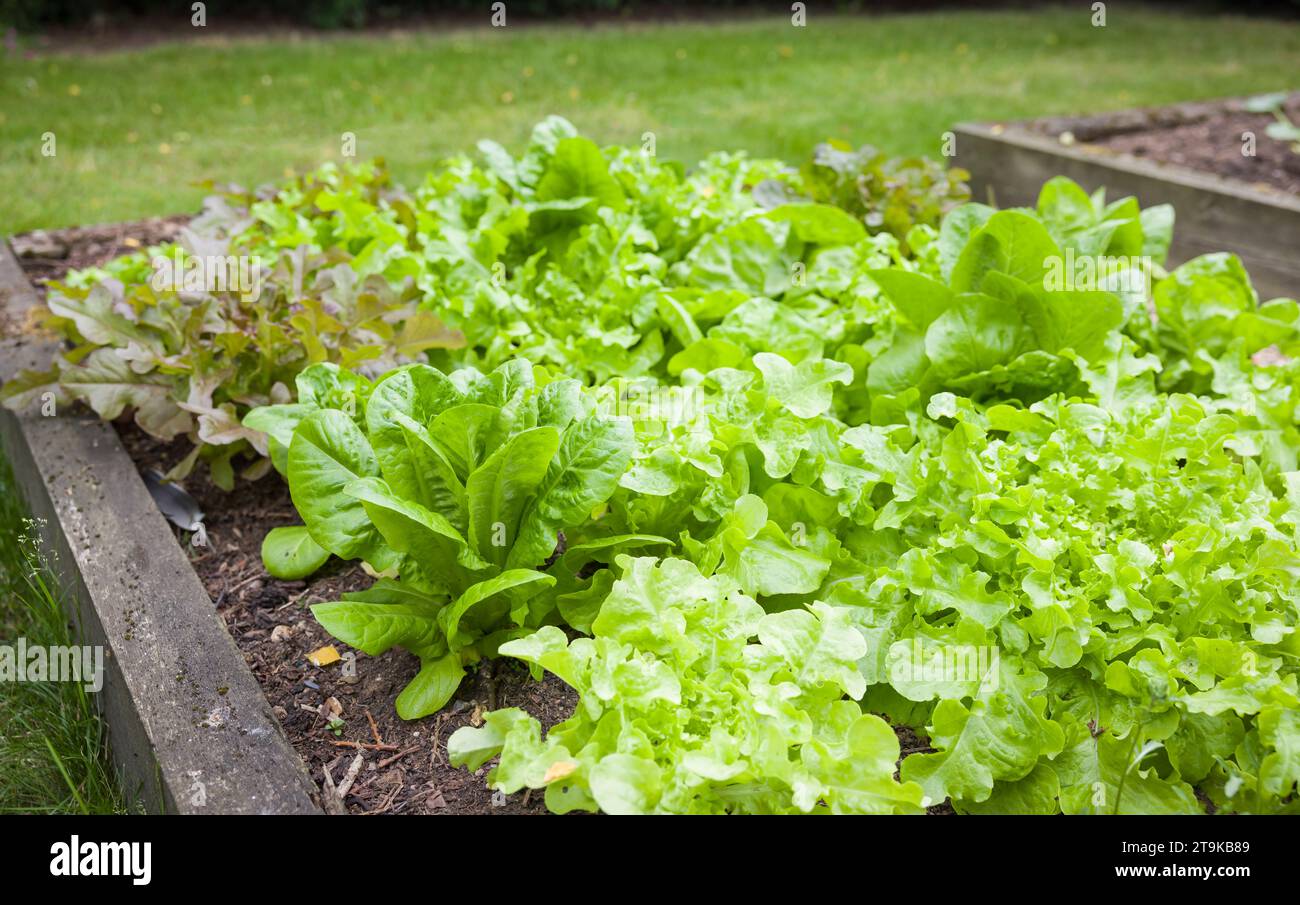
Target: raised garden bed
x=829, y=494
x=1187, y=155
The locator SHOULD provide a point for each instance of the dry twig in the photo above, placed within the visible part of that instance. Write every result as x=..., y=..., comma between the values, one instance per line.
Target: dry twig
x=396, y=757
x=367, y=745
x=351, y=776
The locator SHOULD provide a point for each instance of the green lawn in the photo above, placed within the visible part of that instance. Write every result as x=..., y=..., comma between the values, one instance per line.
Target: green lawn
x=135, y=129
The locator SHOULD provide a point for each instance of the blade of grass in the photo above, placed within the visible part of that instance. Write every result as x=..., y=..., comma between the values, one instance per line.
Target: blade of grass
x=58, y=762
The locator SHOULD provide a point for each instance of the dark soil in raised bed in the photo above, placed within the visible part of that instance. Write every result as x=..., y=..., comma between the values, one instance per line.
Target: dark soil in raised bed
x=1214, y=146
x=1202, y=137
x=405, y=769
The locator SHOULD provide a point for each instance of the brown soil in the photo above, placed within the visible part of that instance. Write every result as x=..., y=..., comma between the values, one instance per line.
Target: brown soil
x=1214, y=146
x=1202, y=137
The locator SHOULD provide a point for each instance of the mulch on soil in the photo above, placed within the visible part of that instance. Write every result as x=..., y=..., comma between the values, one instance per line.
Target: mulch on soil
x=404, y=767
x=1208, y=140
x=1214, y=146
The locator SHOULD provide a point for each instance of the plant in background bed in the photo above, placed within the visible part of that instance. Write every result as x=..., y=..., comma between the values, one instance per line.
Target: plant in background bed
x=1282, y=128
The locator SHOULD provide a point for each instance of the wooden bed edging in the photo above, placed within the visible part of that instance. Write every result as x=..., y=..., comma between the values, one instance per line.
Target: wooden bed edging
x=1009, y=164
x=189, y=727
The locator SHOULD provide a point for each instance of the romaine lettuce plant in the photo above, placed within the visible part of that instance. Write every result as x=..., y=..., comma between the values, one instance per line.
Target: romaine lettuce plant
x=458, y=489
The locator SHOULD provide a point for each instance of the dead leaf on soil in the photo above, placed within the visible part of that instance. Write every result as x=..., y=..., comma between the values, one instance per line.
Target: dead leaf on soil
x=324, y=656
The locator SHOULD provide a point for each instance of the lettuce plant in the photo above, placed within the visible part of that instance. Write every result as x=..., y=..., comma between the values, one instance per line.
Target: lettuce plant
x=994, y=321
x=694, y=700
x=888, y=194
x=192, y=359
x=458, y=489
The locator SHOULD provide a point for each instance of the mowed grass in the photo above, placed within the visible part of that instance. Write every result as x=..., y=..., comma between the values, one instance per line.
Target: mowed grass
x=135, y=130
